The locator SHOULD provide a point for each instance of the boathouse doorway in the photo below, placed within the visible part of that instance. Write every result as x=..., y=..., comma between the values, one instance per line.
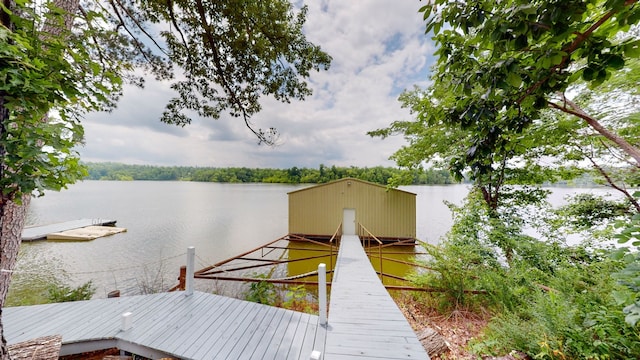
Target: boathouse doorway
x=349, y=221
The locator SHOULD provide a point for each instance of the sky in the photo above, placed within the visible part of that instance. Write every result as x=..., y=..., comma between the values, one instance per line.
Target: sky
x=379, y=49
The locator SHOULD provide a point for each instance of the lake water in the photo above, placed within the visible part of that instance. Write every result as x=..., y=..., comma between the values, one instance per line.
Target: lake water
x=164, y=218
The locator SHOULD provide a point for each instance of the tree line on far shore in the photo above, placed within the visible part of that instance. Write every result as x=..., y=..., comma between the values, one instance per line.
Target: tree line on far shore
x=294, y=175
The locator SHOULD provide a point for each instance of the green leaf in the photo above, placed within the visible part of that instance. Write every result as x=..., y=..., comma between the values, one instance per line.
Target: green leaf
x=514, y=79
x=616, y=62
x=588, y=74
x=556, y=59
x=632, y=49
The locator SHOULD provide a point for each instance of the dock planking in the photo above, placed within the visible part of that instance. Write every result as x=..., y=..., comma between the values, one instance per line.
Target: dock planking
x=199, y=326
x=364, y=321
x=40, y=232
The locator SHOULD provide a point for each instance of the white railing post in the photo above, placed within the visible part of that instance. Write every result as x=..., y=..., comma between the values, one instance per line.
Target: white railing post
x=191, y=256
x=127, y=321
x=322, y=294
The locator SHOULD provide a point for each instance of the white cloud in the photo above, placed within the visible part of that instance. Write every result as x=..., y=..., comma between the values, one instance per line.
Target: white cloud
x=378, y=47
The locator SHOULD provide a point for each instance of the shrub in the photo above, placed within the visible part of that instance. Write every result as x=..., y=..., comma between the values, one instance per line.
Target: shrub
x=550, y=300
x=64, y=293
x=262, y=292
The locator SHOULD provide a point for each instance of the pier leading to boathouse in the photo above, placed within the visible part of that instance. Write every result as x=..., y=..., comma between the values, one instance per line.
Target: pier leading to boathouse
x=364, y=321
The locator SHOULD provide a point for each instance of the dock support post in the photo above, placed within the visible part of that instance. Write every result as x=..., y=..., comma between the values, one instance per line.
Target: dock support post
x=182, y=278
x=127, y=321
x=322, y=294
x=191, y=256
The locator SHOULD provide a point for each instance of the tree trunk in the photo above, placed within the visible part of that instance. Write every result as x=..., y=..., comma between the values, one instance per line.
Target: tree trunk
x=12, y=216
x=44, y=348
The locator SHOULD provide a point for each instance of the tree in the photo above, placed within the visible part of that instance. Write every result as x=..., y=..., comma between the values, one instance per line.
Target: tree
x=523, y=92
x=507, y=60
x=62, y=58
x=500, y=85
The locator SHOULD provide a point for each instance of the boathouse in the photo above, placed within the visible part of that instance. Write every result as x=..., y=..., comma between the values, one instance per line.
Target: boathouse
x=316, y=212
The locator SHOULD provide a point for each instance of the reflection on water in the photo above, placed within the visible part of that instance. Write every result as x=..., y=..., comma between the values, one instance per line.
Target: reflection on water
x=395, y=260
x=305, y=257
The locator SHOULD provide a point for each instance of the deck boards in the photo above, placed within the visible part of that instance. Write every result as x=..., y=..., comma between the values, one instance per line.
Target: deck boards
x=200, y=326
x=364, y=321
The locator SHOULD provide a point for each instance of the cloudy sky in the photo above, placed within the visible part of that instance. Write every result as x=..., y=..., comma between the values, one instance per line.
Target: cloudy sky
x=379, y=49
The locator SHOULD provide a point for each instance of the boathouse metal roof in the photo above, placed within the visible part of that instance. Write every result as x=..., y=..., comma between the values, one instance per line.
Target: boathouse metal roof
x=386, y=213
x=199, y=326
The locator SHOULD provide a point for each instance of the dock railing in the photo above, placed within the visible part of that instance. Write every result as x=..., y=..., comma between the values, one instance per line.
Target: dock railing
x=364, y=233
x=336, y=235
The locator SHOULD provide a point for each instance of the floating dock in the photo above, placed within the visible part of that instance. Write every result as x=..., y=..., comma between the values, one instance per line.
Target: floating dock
x=85, y=233
x=41, y=232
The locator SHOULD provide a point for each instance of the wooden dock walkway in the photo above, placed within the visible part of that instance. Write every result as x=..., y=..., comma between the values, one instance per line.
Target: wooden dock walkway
x=364, y=322
x=197, y=327
x=41, y=231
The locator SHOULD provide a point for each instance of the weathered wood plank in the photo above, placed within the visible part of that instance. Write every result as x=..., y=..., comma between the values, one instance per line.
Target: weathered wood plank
x=260, y=318
x=295, y=346
x=226, y=341
x=268, y=349
x=162, y=321
x=244, y=349
x=309, y=341
x=211, y=334
x=199, y=326
x=288, y=336
x=264, y=333
x=44, y=348
x=103, y=317
x=320, y=341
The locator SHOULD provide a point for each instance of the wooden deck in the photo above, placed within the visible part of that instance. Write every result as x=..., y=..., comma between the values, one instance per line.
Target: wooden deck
x=364, y=322
x=200, y=326
x=41, y=231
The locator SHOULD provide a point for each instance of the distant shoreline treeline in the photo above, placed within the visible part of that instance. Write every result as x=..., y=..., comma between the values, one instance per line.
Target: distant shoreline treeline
x=294, y=175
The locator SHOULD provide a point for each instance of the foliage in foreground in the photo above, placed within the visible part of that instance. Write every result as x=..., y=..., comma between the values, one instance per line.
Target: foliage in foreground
x=551, y=300
x=629, y=276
